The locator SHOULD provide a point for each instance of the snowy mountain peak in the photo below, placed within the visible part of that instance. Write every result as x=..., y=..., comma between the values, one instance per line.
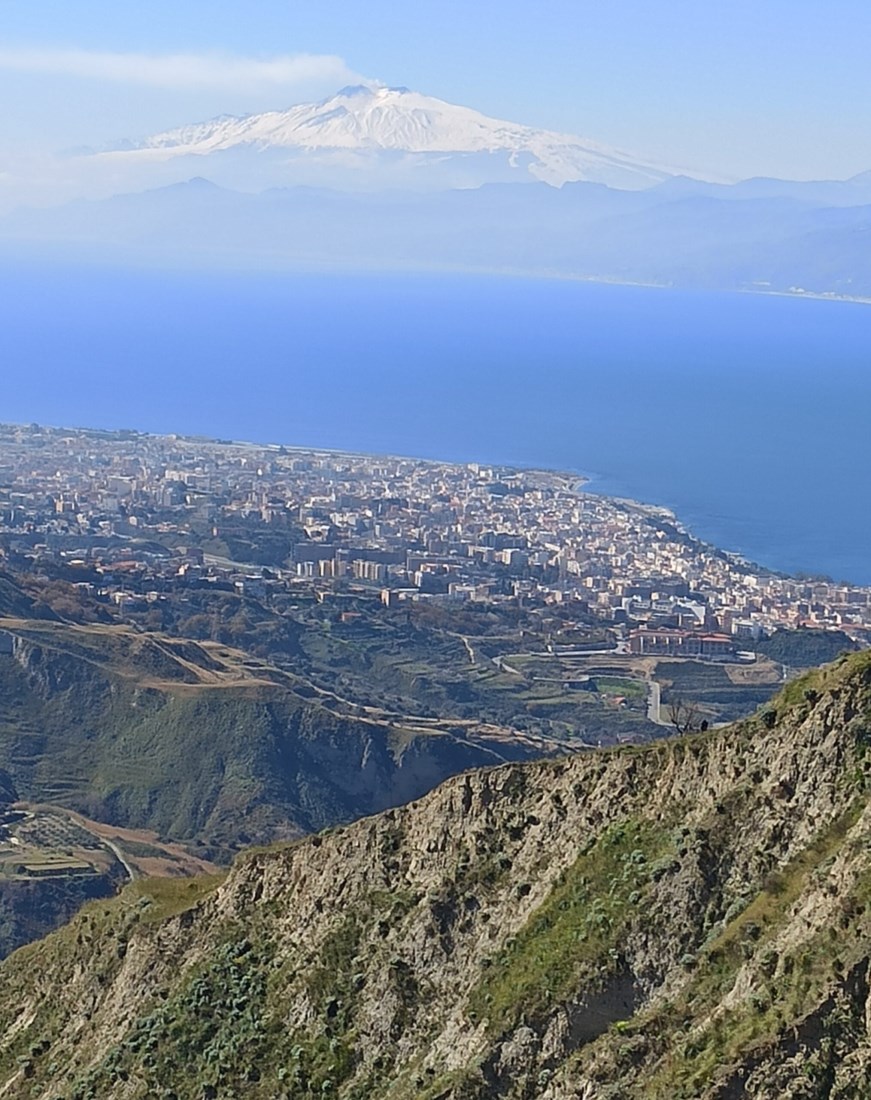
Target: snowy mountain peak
x=374, y=119
x=354, y=90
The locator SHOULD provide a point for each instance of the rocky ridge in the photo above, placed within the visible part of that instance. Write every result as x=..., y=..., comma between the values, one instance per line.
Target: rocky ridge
x=689, y=919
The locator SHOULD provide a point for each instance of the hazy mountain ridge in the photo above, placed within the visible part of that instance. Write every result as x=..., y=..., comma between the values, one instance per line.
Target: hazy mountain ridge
x=777, y=242
x=685, y=920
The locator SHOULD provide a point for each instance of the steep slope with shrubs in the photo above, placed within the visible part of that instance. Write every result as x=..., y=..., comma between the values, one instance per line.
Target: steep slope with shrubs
x=687, y=919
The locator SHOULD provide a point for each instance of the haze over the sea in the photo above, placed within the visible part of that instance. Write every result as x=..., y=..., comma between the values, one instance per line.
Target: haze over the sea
x=748, y=415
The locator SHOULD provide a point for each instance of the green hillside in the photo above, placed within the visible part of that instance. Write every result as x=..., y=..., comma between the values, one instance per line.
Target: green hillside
x=206, y=744
x=689, y=919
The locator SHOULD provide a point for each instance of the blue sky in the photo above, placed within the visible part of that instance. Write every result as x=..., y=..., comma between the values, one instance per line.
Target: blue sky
x=731, y=88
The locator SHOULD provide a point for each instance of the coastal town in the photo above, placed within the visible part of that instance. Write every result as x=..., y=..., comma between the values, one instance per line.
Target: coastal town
x=133, y=517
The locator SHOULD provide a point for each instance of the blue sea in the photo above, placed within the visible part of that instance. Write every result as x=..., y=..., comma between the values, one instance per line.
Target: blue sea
x=748, y=415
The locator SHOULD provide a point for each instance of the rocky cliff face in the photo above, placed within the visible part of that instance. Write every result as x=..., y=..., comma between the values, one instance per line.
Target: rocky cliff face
x=689, y=919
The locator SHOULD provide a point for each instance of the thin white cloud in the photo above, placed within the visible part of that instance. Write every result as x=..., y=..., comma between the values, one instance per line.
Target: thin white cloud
x=182, y=70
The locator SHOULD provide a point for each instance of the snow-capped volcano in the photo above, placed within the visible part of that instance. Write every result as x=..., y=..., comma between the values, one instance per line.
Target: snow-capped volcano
x=396, y=121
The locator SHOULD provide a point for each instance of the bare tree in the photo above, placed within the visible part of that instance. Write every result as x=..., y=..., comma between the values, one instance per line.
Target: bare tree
x=685, y=716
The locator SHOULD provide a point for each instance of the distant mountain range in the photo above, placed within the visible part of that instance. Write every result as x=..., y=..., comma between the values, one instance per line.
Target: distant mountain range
x=761, y=235
x=414, y=183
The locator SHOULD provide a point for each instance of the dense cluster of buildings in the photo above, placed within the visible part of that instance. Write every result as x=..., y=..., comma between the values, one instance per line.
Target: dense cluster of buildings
x=145, y=511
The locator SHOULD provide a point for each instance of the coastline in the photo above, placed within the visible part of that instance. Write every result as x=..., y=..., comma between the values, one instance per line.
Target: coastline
x=245, y=265
x=576, y=482
x=526, y=377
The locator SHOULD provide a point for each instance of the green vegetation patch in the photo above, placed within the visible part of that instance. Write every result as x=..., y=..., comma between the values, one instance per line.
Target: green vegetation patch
x=209, y=1038
x=167, y=897
x=574, y=935
x=621, y=685
x=332, y=978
